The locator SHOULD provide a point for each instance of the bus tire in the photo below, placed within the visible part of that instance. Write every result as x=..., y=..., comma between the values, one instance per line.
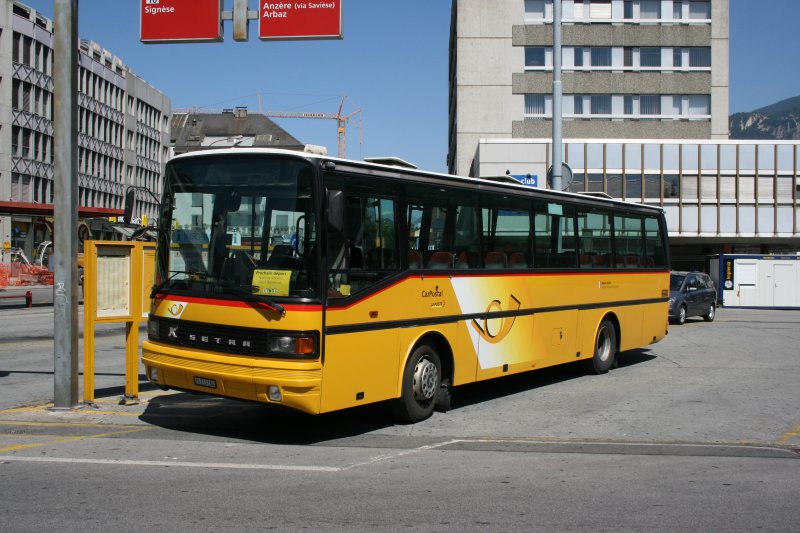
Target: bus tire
x=422, y=379
x=605, y=348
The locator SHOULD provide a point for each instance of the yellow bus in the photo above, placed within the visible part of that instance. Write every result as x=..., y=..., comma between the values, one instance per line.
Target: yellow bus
x=352, y=282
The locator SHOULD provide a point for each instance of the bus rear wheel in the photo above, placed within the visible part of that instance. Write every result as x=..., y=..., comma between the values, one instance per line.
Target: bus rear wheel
x=422, y=379
x=605, y=348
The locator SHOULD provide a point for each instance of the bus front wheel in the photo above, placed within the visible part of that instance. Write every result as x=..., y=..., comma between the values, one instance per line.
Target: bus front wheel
x=422, y=379
x=605, y=348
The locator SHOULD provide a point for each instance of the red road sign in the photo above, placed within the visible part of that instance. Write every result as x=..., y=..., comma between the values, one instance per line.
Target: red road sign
x=315, y=19
x=164, y=21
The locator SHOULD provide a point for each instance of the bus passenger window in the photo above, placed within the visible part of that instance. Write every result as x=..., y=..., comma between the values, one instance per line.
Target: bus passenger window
x=365, y=250
x=555, y=239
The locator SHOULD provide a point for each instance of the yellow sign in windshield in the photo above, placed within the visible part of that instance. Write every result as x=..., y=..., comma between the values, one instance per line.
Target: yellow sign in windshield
x=271, y=282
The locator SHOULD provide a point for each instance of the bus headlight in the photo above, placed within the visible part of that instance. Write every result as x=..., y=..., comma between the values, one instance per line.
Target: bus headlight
x=293, y=345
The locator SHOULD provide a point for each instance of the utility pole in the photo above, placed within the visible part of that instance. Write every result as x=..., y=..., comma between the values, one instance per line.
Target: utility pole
x=65, y=208
x=557, y=97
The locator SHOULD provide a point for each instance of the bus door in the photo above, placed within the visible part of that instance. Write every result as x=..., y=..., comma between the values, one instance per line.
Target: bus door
x=557, y=293
x=362, y=357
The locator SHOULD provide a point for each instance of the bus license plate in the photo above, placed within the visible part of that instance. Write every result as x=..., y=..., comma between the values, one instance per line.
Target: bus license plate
x=205, y=382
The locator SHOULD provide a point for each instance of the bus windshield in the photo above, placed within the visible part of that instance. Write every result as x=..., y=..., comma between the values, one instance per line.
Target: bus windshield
x=238, y=227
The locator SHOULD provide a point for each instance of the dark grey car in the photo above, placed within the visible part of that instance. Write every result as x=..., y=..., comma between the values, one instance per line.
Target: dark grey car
x=691, y=294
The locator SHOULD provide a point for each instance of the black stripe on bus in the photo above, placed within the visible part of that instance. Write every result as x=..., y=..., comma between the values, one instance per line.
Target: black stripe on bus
x=416, y=322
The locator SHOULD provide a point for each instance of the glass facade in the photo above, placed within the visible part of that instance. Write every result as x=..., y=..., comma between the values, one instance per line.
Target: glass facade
x=724, y=189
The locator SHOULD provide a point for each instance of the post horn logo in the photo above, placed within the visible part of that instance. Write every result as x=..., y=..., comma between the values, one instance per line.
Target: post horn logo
x=176, y=309
x=485, y=327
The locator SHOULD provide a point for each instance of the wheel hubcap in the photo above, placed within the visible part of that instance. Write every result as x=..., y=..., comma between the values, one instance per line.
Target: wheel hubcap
x=426, y=376
x=603, y=345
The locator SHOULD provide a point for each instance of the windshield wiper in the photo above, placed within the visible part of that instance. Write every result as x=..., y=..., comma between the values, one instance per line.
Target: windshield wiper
x=158, y=287
x=225, y=284
x=251, y=297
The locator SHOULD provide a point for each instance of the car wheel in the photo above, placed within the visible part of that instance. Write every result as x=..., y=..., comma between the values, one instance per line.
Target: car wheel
x=712, y=311
x=605, y=349
x=422, y=380
x=681, y=318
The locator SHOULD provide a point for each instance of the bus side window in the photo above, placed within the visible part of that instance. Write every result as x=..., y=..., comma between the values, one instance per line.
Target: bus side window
x=594, y=231
x=555, y=239
x=506, y=232
x=443, y=228
x=364, y=251
x=628, y=241
x=654, y=243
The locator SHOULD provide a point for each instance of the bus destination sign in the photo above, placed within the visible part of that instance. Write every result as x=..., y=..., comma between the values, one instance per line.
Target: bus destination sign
x=320, y=19
x=166, y=21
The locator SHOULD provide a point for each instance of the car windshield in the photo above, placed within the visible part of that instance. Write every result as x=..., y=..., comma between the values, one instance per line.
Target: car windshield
x=675, y=281
x=238, y=226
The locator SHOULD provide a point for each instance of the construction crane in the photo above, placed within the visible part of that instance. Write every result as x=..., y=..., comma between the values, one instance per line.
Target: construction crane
x=341, y=123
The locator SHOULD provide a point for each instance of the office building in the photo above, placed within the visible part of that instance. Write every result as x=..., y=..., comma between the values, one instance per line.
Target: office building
x=636, y=69
x=645, y=116
x=123, y=131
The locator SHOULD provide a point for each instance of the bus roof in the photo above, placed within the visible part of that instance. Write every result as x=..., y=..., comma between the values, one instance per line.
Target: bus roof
x=414, y=172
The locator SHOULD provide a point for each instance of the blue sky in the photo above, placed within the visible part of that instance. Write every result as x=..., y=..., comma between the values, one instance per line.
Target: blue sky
x=392, y=65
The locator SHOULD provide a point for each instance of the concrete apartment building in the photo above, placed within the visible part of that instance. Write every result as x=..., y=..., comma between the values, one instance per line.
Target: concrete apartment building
x=645, y=115
x=123, y=130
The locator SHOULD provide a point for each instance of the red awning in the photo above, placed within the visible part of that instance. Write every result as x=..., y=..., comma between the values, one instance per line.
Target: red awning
x=25, y=208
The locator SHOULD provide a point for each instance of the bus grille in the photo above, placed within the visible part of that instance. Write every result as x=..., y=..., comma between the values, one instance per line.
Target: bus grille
x=216, y=337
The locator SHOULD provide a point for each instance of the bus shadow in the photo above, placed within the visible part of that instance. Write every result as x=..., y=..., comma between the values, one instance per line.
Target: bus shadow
x=238, y=420
x=483, y=391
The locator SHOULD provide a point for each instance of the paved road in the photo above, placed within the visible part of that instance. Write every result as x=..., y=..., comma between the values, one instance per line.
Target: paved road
x=699, y=432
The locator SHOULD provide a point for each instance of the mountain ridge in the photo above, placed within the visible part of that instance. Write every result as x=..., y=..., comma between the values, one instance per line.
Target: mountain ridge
x=778, y=121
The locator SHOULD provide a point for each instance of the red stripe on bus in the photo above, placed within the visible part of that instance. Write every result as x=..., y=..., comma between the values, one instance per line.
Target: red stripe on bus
x=236, y=303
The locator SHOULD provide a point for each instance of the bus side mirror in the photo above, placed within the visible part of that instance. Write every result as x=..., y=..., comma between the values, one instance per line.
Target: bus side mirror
x=130, y=198
x=336, y=210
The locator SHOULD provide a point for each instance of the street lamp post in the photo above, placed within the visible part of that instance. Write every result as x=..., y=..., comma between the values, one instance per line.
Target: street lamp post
x=557, y=97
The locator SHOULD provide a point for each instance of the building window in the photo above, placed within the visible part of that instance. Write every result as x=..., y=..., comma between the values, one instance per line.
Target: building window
x=650, y=105
x=700, y=56
x=601, y=56
x=699, y=104
x=627, y=12
x=600, y=9
x=650, y=57
x=628, y=105
x=578, y=57
x=633, y=186
x=534, y=104
x=650, y=9
x=677, y=9
x=578, y=103
x=601, y=104
x=535, y=56
x=534, y=9
x=677, y=57
x=628, y=56
x=699, y=9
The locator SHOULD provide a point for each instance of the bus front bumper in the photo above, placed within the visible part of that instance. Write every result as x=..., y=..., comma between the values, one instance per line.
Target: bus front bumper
x=292, y=384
